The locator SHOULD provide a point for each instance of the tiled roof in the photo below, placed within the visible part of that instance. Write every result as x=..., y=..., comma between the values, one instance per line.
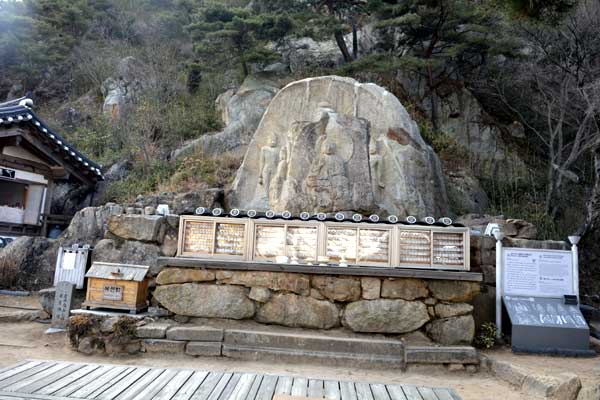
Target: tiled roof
x=19, y=111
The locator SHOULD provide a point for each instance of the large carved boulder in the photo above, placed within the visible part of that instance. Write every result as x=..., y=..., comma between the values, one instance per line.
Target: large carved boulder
x=331, y=143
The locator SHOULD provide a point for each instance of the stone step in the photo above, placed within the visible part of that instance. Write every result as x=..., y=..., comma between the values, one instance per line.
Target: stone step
x=302, y=347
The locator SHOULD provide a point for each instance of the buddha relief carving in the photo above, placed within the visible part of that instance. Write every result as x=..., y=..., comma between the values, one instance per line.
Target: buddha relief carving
x=269, y=157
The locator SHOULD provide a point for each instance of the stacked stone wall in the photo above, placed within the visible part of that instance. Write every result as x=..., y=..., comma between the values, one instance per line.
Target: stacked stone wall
x=440, y=309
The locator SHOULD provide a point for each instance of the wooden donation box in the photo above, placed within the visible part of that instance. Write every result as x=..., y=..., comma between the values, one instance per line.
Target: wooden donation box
x=117, y=286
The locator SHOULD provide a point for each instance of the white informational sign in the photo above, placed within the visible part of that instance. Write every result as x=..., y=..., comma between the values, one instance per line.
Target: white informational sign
x=541, y=273
x=69, y=260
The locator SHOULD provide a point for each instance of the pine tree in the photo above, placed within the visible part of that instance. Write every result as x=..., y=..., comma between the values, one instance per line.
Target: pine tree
x=224, y=36
x=440, y=40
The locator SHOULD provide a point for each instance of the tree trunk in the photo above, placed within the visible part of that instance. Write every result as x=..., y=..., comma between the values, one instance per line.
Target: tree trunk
x=589, y=265
x=354, y=41
x=339, y=38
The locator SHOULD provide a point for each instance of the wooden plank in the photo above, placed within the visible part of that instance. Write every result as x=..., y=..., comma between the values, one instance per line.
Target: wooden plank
x=300, y=387
x=348, y=391
x=332, y=390
x=231, y=385
x=212, y=380
x=11, y=398
x=156, y=390
x=119, y=384
x=401, y=272
x=315, y=388
x=93, y=376
x=142, y=385
x=8, y=372
x=379, y=392
x=25, y=374
x=61, y=383
x=411, y=393
x=443, y=394
x=242, y=388
x=267, y=388
x=32, y=396
x=13, y=366
x=186, y=391
x=254, y=389
x=396, y=392
x=363, y=391
x=284, y=385
x=427, y=393
x=110, y=376
x=49, y=379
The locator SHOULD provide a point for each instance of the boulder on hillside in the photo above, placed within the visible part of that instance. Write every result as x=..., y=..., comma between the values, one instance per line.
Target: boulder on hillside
x=241, y=112
x=331, y=143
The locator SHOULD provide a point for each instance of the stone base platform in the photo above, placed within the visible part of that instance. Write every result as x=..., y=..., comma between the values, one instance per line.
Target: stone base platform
x=336, y=348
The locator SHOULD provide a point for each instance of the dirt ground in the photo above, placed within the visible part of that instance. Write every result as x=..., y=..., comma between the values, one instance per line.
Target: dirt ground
x=26, y=340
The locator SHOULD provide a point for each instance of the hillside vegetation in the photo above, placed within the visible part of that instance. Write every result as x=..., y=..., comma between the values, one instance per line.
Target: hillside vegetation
x=534, y=64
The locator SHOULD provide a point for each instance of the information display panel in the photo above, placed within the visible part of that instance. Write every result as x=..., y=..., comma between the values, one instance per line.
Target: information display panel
x=532, y=272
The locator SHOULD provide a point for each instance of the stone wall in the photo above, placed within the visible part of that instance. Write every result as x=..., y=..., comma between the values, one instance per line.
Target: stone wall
x=440, y=309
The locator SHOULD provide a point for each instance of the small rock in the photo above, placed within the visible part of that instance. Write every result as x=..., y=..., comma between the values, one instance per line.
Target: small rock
x=407, y=289
x=471, y=369
x=181, y=319
x=562, y=387
x=149, y=210
x=456, y=367
x=153, y=331
x=87, y=346
x=158, y=312
x=262, y=295
x=47, y=299
x=337, y=288
x=452, y=310
x=316, y=294
x=170, y=276
x=457, y=291
x=163, y=346
x=430, y=301
x=371, y=288
x=454, y=330
x=108, y=325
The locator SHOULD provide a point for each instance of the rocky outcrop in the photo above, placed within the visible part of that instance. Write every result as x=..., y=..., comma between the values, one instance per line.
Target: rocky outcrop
x=241, y=112
x=145, y=228
x=128, y=252
x=120, y=92
x=204, y=300
x=331, y=143
x=297, y=311
x=385, y=316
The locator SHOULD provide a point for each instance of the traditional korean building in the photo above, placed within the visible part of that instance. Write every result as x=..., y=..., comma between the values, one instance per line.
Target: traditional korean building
x=33, y=158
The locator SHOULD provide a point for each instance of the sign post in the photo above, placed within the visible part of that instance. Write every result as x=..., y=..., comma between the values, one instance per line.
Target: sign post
x=62, y=306
x=575, y=253
x=539, y=289
x=498, y=235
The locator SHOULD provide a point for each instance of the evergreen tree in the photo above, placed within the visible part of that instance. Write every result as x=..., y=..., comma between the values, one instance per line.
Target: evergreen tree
x=439, y=40
x=323, y=18
x=224, y=36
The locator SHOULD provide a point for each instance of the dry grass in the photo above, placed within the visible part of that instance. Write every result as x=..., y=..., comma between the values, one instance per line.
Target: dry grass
x=9, y=270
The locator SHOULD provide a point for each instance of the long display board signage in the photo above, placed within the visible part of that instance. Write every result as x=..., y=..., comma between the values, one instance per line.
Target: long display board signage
x=542, y=273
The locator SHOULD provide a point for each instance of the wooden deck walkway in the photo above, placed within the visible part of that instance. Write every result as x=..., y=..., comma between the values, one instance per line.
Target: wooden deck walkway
x=49, y=380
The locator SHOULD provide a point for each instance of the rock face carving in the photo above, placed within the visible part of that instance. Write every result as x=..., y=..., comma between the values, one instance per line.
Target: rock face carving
x=333, y=144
